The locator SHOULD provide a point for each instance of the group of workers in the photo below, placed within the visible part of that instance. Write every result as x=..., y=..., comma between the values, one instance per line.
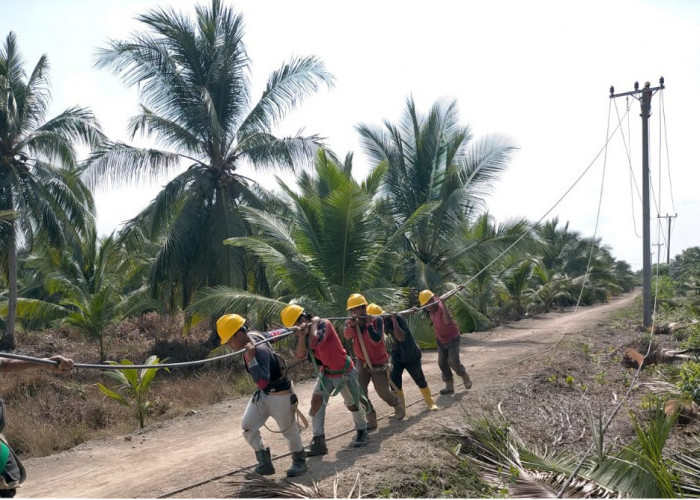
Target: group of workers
x=317, y=341
x=337, y=372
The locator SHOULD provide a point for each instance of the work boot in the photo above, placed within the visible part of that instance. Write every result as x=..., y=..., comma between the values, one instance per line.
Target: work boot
x=428, y=398
x=399, y=409
x=449, y=387
x=371, y=420
x=264, y=467
x=317, y=446
x=298, y=464
x=361, y=439
x=467, y=381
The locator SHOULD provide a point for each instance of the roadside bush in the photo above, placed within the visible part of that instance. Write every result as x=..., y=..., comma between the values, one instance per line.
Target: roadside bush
x=689, y=383
x=692, y=337
x=663, y=288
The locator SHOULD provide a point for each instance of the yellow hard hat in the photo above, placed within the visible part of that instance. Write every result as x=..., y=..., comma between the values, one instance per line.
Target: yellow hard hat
x=228, y=325
x=374, y=309
x=356, y=300
x=290, y=314
x=424, y=297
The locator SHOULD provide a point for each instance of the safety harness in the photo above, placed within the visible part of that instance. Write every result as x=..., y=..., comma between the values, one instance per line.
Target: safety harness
x=380, y=368
x=359, y=399
x=277, y=387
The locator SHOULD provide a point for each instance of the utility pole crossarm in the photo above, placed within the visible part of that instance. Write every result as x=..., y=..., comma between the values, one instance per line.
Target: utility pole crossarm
x=647, y=88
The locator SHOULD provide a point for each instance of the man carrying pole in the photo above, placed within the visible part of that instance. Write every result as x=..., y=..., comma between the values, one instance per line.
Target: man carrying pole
x=274, y=397
x=336, y=373
x=367, y=334
x=405, y=355
x=447, y=335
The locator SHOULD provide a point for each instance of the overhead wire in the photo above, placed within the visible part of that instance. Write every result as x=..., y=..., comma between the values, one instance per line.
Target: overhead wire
x=588, y=264
x=632, y=177
x=604, y=428
x=662, y=105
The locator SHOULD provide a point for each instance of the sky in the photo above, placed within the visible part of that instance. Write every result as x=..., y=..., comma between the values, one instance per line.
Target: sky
x=537, y=72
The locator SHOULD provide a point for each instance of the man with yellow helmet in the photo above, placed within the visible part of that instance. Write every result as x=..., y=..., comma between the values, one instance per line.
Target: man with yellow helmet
x=405, y=355
x=318, y=340
x=447, y=336
x=367, y=334
x=273, y=398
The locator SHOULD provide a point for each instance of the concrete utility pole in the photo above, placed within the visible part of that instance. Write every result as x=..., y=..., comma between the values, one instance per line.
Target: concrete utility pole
x=645, y=101
x=668, y=239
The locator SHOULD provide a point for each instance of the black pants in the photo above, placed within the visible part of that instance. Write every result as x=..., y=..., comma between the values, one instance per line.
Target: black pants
x=8, y=493
x=415, y=369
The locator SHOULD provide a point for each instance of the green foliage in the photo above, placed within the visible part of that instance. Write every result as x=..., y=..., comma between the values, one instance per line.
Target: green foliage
x=422, y=329
x=689, y=383
x=134, y=386
x=662, y=287
x=193, y=78
x=692, y=336
x=42, y=198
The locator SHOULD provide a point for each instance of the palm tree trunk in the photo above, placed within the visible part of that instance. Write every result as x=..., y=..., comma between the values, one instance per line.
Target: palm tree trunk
x=8, y=339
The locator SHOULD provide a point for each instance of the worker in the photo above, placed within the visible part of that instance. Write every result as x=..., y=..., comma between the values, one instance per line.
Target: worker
x=405, y=355
x=318, y=341
x=274, y=396
x=448, y=340
x=367, y=334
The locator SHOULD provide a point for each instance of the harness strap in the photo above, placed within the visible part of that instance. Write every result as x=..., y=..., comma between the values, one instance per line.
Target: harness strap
x=383, y=368
x=359, y=399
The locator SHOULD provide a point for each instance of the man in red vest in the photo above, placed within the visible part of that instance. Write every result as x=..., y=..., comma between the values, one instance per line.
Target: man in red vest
x=447, y=335
x=367, y=334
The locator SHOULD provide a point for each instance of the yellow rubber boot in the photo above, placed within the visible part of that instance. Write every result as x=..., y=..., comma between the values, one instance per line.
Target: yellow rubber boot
x=428, y=397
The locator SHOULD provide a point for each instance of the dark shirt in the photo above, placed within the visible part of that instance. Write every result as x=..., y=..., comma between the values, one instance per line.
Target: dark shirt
x=405, y=352
x=267, y=371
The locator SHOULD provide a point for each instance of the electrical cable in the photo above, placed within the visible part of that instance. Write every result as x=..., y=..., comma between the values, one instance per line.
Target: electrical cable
x=632, y=177
x=668, y=160
x=182, y=364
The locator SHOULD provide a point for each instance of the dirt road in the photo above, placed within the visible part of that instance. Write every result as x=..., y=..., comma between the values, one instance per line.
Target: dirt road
x=209, y=444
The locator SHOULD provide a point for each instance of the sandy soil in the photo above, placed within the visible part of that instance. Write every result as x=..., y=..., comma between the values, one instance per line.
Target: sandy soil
x=208, y=444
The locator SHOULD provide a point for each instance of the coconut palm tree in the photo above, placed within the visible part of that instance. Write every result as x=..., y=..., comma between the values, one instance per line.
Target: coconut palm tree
x=435, y=166
x=193, y=78
x=85, y=285
x=38, y=162
x=325, y=245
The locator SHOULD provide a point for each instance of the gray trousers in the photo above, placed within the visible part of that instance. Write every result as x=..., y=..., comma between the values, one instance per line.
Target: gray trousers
x=326, y=386
x=279, y=407
x=448, y=359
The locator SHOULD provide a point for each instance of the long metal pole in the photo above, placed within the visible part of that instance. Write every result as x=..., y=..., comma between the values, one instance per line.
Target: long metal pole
x=646, y=230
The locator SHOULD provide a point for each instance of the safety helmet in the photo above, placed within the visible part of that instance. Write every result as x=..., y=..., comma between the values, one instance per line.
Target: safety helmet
x=290, y=314
x=374, y=309
x=356, y=300
x=425, y=296
x=228, y=325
